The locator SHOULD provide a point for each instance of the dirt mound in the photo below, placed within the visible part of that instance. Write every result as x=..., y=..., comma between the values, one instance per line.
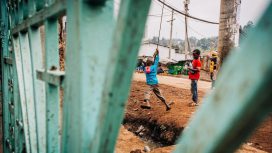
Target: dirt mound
x=159, y=125
x=159, y=128
x=128, y=142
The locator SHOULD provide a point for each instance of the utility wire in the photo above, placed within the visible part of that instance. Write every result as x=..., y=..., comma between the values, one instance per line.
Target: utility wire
x=177, y=13
x=191, y=28
x=158, y=3
x=189, y=16
x=158, y=15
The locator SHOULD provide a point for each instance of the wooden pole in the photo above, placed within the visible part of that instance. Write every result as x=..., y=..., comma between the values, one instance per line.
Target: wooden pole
x=186, y=3
x=171, y=33
x=228, y=27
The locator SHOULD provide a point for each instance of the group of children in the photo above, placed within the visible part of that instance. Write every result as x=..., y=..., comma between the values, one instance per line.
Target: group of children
x=150, y=70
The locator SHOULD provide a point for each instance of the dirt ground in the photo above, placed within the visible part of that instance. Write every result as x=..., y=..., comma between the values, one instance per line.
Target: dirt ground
x=178, y=82
x=159, y=129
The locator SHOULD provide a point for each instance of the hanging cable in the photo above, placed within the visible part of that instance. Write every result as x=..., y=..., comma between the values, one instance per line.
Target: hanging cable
x=191, y=28
x=158, y=15
x=189, y=16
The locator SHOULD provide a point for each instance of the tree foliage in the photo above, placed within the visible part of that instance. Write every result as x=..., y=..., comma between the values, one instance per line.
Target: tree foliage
x=245, y=30
x=204, y=44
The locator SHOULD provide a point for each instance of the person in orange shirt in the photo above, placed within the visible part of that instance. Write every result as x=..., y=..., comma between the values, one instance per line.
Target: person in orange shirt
x=194, y=74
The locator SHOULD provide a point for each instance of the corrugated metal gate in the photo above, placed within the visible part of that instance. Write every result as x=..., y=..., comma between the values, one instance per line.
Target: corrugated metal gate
x=100, y=59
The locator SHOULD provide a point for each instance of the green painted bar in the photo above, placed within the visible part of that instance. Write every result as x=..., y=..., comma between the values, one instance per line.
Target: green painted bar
x=25, y=9
x=126, y=43
x=13, y=17
x=20, y=12
x=7, y=82
x=19, y=137
x=49, y=2
x=28, y=89
x=52, y=91
x=5, y=74
x=239, y=106
x=16, y=16
x=12, y=20
x=51, y=77
x=31, y=7
x=55, y=10
x=85, y=78
x=40, y=4
x=18, y=61
x=39, y=87
x=10, y=93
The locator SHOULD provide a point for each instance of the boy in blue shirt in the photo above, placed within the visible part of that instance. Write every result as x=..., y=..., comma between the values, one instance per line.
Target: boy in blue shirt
x=151, y=80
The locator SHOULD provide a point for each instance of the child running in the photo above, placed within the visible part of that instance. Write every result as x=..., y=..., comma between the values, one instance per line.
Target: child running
x=152, y=81
x=194, y=74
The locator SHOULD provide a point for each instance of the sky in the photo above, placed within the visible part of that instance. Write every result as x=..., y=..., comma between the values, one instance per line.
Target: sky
x=205, y=9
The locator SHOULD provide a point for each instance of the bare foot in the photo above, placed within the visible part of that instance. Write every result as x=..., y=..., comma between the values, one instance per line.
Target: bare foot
x=192, y=104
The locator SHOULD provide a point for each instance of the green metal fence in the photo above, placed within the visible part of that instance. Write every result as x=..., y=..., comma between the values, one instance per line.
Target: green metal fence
x=100, y=59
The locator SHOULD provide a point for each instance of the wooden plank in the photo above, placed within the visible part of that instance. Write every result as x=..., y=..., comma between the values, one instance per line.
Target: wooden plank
x=52, y=77
x=85, y=73
x=5, y=74
x=18, y=61
x=28, y=88
x=19, y=137
x=241, y=100
x=126, y=42
x=39, y=87
x=52, y=91
x=55, y=10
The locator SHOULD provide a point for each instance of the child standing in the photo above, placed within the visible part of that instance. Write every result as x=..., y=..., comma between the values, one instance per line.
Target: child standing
x=194, y=74
x=213, y=68
x=152, y=81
